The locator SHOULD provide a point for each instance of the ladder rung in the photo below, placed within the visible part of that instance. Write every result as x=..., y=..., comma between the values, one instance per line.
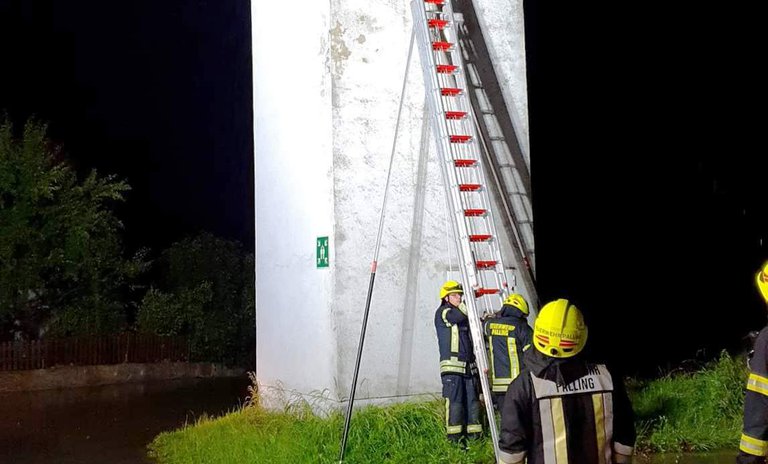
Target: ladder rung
x=469, y=187
x=480, y=237
x=485, y=291
x=460, y=138
x=486, y=264
x=450, y=91
x=474, y=212
x=464, y=163
x=436, y=2
x=437, y=23
x=441, y=46
x=455, y=114
x=446, y=68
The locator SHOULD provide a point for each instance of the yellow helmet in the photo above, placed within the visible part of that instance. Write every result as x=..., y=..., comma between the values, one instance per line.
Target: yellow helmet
x=762, y=281
x=517, y=300
x=559, y=330
x=450, y=286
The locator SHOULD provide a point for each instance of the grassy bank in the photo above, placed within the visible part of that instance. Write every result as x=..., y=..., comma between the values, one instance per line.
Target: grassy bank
x=395, y=434
x=695, y=411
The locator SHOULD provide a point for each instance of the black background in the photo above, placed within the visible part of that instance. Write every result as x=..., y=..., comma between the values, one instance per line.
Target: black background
x=645, y=127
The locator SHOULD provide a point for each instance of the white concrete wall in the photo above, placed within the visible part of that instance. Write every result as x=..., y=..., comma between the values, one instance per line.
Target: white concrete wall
x=294, y=193
x=326, y=95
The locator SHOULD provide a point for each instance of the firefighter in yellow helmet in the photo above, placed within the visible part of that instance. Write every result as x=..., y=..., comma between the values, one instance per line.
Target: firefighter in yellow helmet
x=462, y=406
x=509, y=336
x=560, y=409
x=753, y=447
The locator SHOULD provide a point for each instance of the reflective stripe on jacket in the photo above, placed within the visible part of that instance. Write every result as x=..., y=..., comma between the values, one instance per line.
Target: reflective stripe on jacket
x=452, y=327
x=566, y=411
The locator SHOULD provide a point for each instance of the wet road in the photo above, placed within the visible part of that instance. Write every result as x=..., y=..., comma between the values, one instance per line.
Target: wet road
x=109, y=424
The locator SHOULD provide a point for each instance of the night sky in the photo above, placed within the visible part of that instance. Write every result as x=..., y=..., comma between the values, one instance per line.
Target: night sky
x=645, y=124
x=157, y=92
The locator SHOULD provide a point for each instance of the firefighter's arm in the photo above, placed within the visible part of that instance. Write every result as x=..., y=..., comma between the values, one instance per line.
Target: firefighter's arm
x=455, y=315
x=526, y=337
x=516, y=422
x=753, y=445
x=623, y=424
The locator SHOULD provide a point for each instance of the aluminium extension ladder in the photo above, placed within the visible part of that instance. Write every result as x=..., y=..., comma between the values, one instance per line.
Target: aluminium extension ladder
x=459, y=154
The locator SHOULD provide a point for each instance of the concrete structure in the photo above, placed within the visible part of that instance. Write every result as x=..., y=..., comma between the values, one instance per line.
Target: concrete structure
x=327, y=82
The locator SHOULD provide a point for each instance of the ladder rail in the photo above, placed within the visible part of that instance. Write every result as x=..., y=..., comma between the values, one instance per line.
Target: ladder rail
x=463, y=227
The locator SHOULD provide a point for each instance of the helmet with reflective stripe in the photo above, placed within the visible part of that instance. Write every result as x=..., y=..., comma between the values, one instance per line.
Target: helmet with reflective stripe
x=559, y=330
x=450, y=286
x=518, y=302
x=762, y=281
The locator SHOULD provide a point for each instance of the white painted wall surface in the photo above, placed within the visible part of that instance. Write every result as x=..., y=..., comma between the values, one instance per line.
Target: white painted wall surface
x=327, y=84
x=294, y=193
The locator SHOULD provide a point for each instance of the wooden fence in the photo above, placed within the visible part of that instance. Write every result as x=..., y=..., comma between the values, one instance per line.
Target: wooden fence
x=93, y=350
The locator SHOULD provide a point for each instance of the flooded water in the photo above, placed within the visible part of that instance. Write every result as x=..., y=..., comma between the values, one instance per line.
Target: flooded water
x=113, y=424
x=109, y=424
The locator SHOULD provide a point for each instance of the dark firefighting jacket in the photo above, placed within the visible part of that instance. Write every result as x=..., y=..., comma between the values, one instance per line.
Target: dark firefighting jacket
x=509, y=335
x=452, y=327
x=754, y=438
x=566, y=411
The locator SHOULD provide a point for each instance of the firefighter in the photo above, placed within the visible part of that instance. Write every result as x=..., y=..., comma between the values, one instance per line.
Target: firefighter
x=509, y=336
x=462, y=406
x=560, y=409
x=753, y=447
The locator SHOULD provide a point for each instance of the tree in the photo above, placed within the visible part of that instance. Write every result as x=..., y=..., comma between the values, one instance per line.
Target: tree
x=61, y=264
x=206, y=292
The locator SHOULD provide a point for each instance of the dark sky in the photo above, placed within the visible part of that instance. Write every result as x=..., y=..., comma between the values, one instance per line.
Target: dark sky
x=157, y=92
x=645, y=123
x=649, y=177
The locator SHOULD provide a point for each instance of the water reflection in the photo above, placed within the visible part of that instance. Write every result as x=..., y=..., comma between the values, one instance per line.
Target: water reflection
x=111, y=423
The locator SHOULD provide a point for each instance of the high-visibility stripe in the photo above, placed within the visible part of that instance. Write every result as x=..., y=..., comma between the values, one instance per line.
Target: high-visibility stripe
x=558, y=419
x=474, y=428
x=452, y=370
x=514, y=363
x=448, y=414
x=450, y=429
x=493, y=362
x=547, y=431
x=753, y=446
x=608, y=412
x=511, y=458
x=757, y=383
x=453, y=365
x=623, y=449
x=454, y=361
x=454, y=339
x=597, y=407
x=445, y=319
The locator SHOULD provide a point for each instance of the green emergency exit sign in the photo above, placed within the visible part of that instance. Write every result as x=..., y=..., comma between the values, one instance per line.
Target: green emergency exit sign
x=322, y=252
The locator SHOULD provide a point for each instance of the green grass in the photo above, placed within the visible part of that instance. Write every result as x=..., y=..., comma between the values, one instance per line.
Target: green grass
x=408, y=432
x=693, y=411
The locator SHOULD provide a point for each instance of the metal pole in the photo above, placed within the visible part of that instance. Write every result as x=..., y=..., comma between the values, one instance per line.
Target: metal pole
x=374, y=264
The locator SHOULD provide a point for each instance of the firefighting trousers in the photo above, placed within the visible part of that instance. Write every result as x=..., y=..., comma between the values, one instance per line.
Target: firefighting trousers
x=462, y=407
